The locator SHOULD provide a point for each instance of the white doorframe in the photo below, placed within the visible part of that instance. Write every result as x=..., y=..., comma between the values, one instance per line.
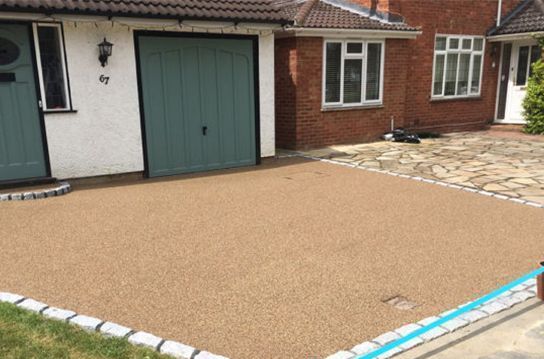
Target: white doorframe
x=516, y=89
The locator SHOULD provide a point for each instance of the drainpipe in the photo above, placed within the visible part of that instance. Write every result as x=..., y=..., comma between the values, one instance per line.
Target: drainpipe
x=499, y=13
x=540, y=284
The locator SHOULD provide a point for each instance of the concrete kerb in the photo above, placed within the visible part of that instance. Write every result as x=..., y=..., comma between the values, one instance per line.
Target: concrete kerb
x=109, y=329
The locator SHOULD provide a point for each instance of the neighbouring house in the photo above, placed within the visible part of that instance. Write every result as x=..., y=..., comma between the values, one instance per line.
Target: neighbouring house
x=515, y=35
x=347, y=71
x=189, y=86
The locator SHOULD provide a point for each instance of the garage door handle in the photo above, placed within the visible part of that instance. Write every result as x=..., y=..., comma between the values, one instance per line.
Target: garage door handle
x=204, y=130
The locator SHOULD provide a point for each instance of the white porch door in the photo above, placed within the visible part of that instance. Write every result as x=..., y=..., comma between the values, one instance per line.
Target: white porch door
x=523, y=55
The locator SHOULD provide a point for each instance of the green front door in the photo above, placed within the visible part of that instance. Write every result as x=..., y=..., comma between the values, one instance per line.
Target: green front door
x=21, y=145
x=199, y=103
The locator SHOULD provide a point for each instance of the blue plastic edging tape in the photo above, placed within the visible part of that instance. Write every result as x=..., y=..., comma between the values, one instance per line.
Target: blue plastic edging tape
x=450, y=316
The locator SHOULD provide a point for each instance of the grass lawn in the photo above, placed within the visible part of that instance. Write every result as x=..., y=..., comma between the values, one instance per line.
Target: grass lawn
x=25, y=334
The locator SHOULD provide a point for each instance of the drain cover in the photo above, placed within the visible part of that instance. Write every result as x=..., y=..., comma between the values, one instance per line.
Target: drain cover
x=401, y=302
x=305, y=175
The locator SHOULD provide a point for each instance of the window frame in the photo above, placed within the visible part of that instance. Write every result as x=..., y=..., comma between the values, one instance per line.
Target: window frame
x=60, y=32
x=353, y=56
x=459, y=51
x=529, y=64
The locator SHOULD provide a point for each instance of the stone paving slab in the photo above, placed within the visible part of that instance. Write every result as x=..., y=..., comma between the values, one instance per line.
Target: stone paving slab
x=510, y=167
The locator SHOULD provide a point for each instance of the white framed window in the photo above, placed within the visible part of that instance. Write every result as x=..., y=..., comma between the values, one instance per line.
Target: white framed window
x=458, y=65
x=352, y=72
x=51, y=61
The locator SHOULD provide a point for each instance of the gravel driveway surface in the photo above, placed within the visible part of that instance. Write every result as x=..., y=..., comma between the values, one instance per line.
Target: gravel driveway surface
x=291, y=259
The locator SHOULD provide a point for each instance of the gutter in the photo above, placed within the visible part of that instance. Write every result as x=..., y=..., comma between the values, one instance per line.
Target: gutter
x=110, y=14
x=518, y=36
x=324, y=32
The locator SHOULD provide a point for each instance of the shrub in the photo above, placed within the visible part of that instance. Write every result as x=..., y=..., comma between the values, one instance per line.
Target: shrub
x=533, y=104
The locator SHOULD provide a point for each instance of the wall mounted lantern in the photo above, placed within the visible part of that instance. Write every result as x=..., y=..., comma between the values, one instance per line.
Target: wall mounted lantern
x=494, y=49
x=105, y=49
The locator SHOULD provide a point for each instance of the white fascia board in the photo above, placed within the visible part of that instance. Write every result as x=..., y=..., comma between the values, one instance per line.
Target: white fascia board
x=24, y=16
x=198, y=25
x=139, y=22
x=366, y=33
x=511, y=37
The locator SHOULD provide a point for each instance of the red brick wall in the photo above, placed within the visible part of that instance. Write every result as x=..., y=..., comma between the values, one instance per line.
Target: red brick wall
x=448, y=17
x=300, y=122
x=299, y=63
x=380, y=5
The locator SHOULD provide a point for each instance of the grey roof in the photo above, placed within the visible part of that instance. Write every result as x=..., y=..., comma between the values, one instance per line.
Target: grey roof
x=335, y=15
x=527, y=17
x=234, y=10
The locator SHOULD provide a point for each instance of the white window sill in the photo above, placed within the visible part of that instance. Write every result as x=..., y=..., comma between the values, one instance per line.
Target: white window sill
x=47, y=112
x=351, y=108
x=456, y=98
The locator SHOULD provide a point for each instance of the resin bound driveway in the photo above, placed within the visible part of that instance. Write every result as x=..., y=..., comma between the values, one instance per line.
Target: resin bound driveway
x=290, y=259
x=503, y=162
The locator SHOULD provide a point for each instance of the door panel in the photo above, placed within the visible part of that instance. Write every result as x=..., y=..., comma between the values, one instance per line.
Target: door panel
x=504, y=80
x=199, y=104
x=210, y=110
x=242, y=103
x=227, y=106
x=21, y=146
x=192, y=121
x=521, y=60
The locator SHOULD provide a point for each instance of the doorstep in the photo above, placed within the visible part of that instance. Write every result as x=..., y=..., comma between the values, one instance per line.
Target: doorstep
x=27, y=182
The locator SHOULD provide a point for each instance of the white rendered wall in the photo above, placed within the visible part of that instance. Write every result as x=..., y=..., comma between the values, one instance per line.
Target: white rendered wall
x=267, y=95
x=104, y=135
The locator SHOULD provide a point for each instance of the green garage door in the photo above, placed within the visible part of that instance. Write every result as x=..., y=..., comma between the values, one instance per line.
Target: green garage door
x=21, y=147
x=199, y=103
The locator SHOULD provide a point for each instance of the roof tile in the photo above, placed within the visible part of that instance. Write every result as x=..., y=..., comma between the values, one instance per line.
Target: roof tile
x=527, y=17
x=242, y=10
x=322, y=14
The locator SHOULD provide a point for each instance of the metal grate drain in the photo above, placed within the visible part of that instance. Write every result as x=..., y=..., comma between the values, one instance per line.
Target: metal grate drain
x=401, y=303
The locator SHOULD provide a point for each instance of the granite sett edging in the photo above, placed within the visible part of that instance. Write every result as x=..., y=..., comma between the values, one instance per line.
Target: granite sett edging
x=62, y=189
x=507, y=300
x=421, y=179
x=175, y=349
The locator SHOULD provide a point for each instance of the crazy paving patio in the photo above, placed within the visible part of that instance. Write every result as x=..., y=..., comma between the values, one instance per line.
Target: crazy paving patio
x=503, y=162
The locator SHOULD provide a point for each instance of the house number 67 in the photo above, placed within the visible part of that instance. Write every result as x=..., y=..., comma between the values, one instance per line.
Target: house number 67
x=104, y=79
